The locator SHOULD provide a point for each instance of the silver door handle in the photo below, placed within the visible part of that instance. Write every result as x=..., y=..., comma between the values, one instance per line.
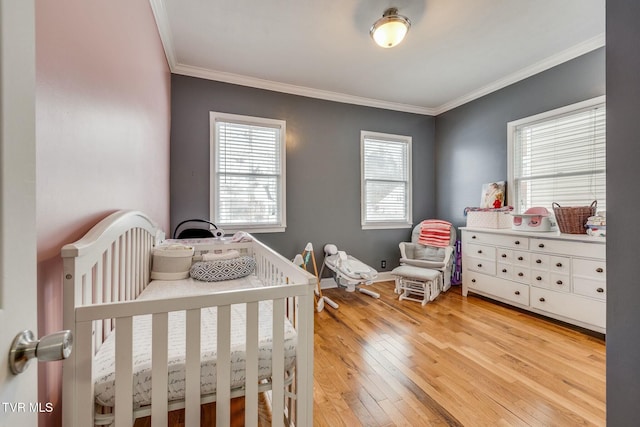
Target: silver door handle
x=56, y=346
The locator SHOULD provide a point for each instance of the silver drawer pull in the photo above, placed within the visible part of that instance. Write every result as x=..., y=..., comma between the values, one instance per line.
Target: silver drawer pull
x=600, y=290
x=599, y=270
x=542, y=299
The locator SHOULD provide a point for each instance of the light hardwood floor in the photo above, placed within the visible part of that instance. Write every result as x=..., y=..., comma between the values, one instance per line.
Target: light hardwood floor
x=456, y=361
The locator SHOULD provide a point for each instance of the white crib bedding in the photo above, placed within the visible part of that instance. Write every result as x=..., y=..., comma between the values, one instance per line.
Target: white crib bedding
x=104, y=362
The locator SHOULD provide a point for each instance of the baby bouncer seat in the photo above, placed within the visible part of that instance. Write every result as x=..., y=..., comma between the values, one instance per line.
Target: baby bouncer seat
x=426, y=262
x=348, y=271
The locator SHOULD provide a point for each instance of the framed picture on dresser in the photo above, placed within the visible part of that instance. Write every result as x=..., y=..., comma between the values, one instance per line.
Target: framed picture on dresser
x=493, y=195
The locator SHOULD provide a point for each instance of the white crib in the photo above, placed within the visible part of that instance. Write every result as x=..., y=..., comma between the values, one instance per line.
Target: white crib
x=107, y=269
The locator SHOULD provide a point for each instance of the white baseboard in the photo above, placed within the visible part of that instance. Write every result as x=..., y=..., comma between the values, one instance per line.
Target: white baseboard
x=328, y=282
x=385, y=276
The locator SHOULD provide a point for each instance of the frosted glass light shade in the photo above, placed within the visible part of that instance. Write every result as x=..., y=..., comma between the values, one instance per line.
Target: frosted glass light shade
x=390, y=30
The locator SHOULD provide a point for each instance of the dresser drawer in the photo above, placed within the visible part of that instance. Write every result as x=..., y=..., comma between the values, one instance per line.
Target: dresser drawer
x=569, y=306
x=521, y=258
x=560, y=264
x=540, y=261
x=565, y=247
x=596, y=270
x=540, y=278
x=480, y=251
x=480, y=265
x=560, y=282
x=502, y=289
x=514, y=242
x=590, y=288
x=521, y=274
x=504, y=255
x=504, y=270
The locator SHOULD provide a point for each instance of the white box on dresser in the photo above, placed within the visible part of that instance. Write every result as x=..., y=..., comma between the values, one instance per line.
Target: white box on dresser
x=562, y=276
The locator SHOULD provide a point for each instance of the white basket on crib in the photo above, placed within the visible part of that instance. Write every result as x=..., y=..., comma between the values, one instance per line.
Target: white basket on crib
x=171, y=262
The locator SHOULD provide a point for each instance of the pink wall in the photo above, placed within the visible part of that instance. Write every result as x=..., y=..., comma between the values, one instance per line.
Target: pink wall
x=102, y=136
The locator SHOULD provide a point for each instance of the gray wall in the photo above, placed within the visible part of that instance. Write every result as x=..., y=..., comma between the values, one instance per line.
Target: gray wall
x=623, y=205
x=323, y=164
x=471, y=140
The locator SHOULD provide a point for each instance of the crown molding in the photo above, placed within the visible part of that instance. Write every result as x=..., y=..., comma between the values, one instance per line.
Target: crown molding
x=164, y=29
x=162, y=21
x=550, y=62
x=238, y=79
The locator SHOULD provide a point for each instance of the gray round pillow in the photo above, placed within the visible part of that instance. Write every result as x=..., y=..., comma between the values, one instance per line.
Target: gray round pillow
x=224, y=269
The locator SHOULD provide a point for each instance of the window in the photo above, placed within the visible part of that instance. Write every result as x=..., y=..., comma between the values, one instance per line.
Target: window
x=559, y=156
x=247, y=173
x=386, y=180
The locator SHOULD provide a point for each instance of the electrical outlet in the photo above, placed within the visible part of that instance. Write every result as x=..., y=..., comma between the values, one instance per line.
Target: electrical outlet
x=383, y=264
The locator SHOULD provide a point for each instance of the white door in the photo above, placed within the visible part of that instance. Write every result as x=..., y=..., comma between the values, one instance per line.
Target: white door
x=18, y=305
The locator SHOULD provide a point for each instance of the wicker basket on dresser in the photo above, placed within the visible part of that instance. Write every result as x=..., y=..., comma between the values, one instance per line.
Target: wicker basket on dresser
x=557, y=275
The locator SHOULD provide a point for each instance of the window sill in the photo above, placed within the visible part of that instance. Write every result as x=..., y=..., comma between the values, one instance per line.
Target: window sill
x=255, y=230
x=385, y=226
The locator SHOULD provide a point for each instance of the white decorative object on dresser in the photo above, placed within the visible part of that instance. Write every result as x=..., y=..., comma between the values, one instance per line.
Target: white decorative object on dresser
x=562, y=276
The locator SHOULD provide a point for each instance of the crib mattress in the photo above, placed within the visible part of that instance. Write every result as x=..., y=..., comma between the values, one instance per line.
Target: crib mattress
x=104, y=362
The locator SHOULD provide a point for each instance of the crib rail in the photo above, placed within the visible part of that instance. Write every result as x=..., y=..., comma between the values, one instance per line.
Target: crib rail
x=124, y=313
x=106, y=270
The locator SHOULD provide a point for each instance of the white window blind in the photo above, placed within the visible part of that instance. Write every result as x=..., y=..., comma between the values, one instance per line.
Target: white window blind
x=386, y=180
x=248, y=173
x=560, y=157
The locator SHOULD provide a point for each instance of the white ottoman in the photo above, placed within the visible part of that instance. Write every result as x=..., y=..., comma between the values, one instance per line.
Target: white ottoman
x=417, y=283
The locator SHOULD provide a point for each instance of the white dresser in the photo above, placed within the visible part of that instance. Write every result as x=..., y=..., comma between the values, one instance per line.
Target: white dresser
x=557, y=275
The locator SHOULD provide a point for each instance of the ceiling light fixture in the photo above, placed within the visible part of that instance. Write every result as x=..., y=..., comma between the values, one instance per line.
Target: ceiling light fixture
x=390, y=30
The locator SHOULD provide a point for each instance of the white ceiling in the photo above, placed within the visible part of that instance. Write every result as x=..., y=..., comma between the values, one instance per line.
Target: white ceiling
x=455, y=51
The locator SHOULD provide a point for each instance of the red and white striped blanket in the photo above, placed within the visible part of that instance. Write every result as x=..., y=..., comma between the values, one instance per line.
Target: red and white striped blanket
x=435, y=232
